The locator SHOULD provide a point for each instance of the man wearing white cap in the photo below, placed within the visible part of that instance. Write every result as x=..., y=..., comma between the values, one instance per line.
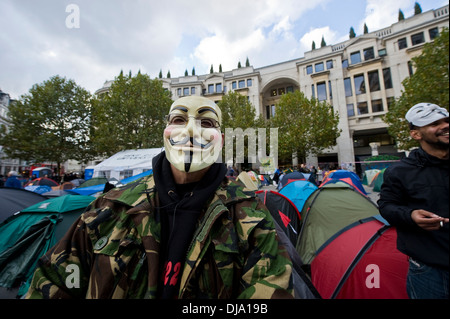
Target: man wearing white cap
x=414, y=198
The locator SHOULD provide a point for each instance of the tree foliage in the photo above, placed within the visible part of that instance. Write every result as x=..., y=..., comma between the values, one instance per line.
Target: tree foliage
x=429, y=83
x=50, y=123
x=304, y=126
x=130, y=115
x=238, y=112
x=351, y=33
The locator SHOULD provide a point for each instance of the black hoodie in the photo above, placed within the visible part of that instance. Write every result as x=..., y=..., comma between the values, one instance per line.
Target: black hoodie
x=419, y=181
x=181, y=206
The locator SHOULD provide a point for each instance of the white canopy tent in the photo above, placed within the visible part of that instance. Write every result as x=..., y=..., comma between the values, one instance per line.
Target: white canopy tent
x=126, y=163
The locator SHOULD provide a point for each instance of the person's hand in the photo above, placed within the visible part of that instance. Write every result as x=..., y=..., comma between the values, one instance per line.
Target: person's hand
x=427, y=220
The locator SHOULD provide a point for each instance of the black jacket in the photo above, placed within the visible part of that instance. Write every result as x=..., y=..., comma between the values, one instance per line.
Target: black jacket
x=419, y=181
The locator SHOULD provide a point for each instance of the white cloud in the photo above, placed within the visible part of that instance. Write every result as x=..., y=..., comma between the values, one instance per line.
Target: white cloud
x=383, y=13
x=330, y=37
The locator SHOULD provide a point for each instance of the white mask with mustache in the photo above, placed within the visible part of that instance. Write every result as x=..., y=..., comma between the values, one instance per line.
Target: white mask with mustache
x=192, y=137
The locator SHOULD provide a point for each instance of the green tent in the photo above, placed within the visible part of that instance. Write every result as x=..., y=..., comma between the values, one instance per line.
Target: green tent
x=369, y=176
x=378, y=181
x=26, y=236
x=329, y=209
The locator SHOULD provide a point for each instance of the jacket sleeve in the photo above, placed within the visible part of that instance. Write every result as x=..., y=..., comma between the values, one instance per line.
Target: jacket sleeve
x=393, y=203
x=267, y=271
x=62, y=272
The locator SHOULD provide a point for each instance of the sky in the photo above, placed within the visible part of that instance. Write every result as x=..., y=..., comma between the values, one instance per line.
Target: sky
x=91, y=41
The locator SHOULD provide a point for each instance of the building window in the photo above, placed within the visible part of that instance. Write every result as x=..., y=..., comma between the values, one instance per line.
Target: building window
x=179, y=92
x=249, y=82
x=321, y=91
x=382, y=52
x=309, y=69
x=433, y=33
x=374, y=81
x=345, y=63
x=369, y=54
x=410, y=68
x=390, y=102
x=225, y=89
x=387, y=78
x=360, y=86
x=355, y=57
x=267, y=112
x=290, y=89
x=350, y=110
x=210, y=88
x=402, y=44
x=313, y=91
x=348, y=87
x=126, y=173
x=319, y=67
x=417, y=38
x=273, y=92
x=218, y=87
x=193, y=90
x=329, y=64
x=362, y=108
x=233, y=85
x=185, y=91
x=377, y=106
x=329, y=89
x=241, y=84
x=281, y=91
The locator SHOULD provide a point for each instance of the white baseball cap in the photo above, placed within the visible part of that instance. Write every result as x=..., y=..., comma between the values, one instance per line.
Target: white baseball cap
x=423, y=114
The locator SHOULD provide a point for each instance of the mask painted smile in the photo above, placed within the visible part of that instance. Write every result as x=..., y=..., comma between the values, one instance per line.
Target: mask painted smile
x=192, y=137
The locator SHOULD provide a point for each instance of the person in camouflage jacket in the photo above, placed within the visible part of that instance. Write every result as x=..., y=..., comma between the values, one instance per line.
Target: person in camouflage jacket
x=115, y=248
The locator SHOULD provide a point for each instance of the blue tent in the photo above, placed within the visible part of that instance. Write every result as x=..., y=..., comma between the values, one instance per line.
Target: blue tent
x=298, y=192
x=345, y=176
x=40, y=189
x=135, y=177
x=87, y=191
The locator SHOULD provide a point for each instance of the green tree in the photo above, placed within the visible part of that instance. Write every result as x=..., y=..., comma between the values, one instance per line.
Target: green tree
x=239, y=65
x=193, y=70
x=313, y=45
x=352, y=33
x=51, y=123
x=211, y=70
x=366, y=29
x=323, y=43
x=429, y=83
x=238, y=113
x=304, y=126
x=186, y=73
x=401, y=16
x=160, y=74
x=417, y=8
x=220, y=68
x=130, y=115
x=247, y=62
x=168, y=74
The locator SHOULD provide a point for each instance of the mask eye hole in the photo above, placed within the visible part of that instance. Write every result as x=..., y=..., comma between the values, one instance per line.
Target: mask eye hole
x=176, y=120
x=207, y=123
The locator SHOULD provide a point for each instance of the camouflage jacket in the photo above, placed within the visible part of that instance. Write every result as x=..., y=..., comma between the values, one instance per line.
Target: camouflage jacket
x=112, y=251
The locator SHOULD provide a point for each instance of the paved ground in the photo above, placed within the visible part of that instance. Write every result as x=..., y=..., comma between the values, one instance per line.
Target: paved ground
x=374, y=196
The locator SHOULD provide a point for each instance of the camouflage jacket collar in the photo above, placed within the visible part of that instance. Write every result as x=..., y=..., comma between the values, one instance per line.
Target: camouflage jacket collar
x=142, y=190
